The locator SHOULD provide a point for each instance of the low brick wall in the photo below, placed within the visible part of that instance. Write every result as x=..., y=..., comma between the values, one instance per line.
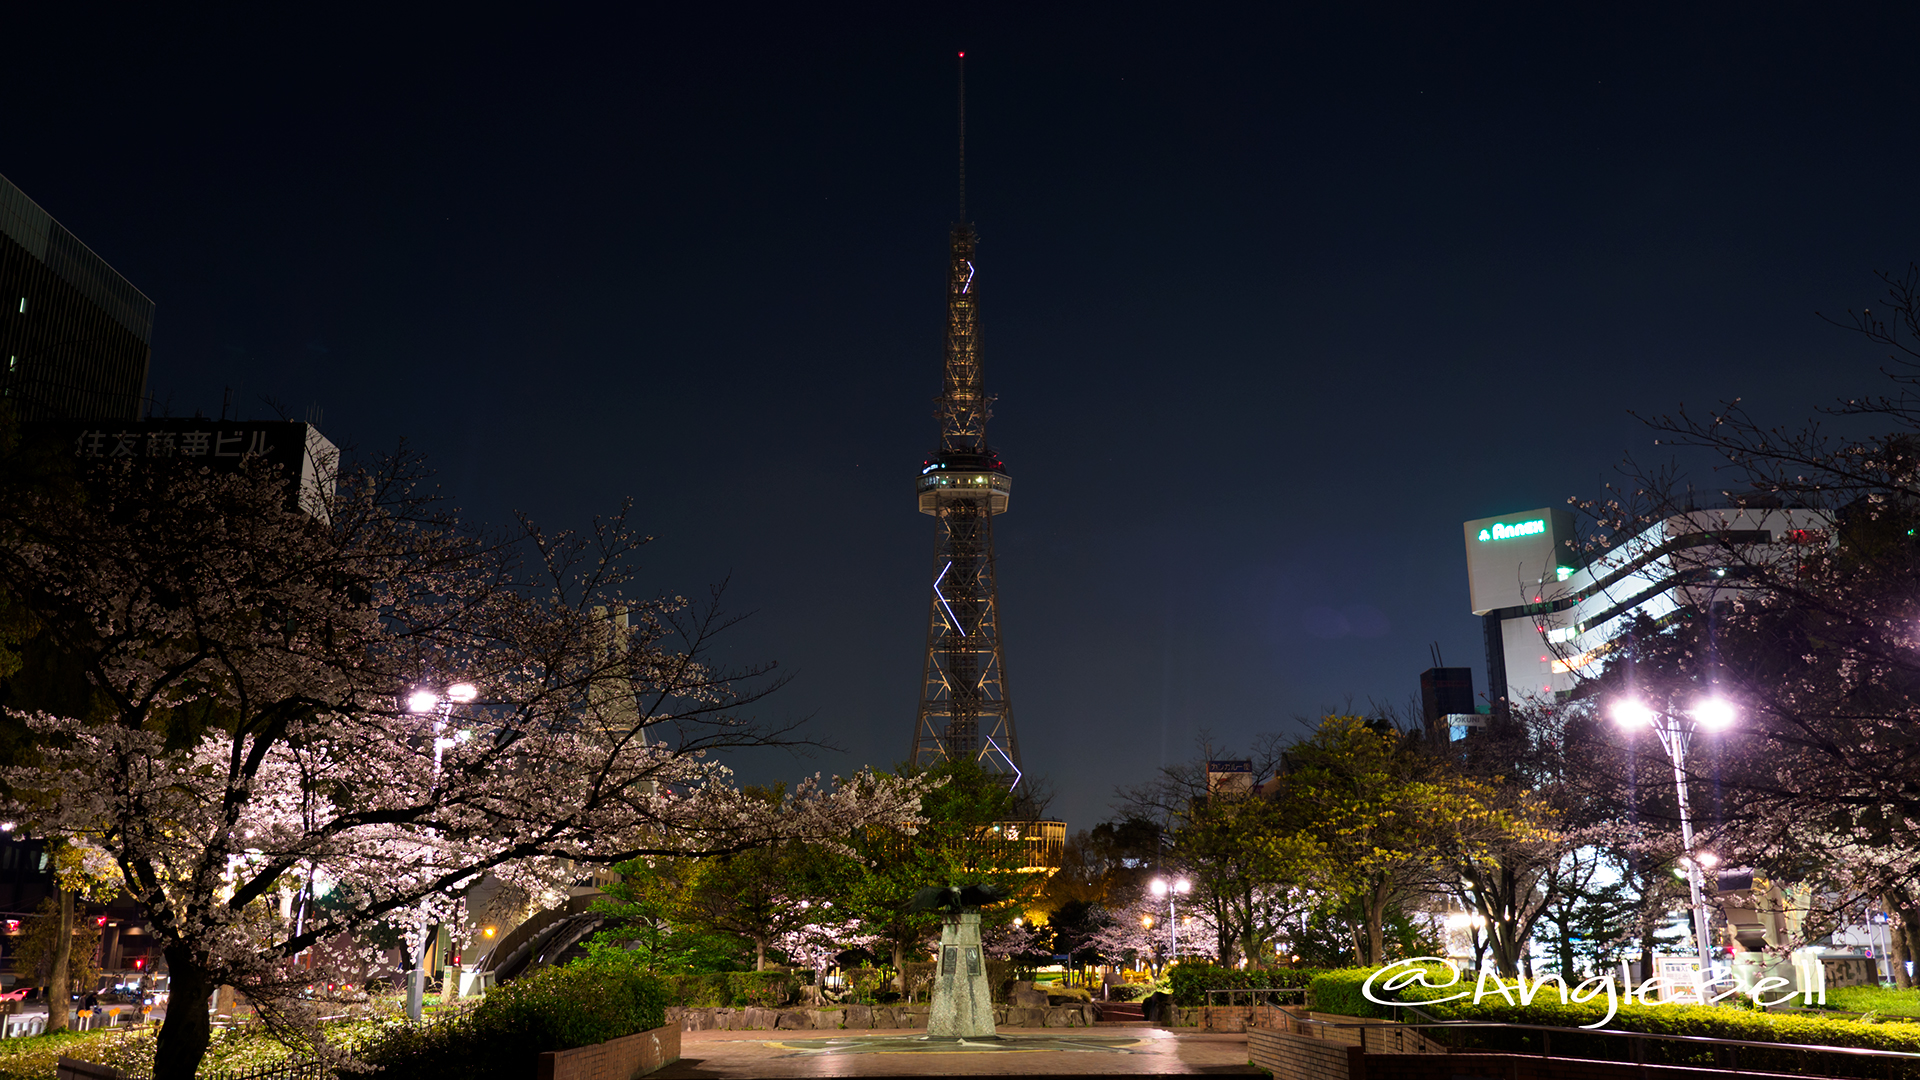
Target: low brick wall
x=1233, y=1019
x=1301, y=1057
x=1374, y=1035
x=615, y=1059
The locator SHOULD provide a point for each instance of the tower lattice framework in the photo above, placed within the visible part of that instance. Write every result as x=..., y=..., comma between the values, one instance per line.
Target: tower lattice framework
x=966, y=710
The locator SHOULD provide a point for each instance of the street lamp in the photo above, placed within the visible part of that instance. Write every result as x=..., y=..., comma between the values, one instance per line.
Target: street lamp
x=1675, y=732
x=1170, y=889
x=421, y=702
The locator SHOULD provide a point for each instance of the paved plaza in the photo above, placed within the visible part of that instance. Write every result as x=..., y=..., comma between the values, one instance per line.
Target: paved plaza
x=1101, y=1051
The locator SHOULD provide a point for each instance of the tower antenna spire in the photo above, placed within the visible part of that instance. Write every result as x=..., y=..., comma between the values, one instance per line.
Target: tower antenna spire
x=963, y=135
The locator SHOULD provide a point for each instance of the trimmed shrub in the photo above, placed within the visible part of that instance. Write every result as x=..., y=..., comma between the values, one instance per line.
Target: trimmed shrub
x=999, y=974
x=605, y=996
x=767, y=989
x=918, y=977
x=701, y=989
x=869, y=981
x=1189, y=982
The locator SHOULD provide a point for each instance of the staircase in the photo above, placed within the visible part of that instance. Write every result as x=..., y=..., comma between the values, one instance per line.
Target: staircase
x=1119, y=1012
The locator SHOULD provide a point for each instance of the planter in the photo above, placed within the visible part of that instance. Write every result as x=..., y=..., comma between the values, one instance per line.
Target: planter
x=615, y=1059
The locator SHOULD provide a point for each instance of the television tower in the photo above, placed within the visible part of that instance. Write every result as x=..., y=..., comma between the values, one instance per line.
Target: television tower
x=965, y=710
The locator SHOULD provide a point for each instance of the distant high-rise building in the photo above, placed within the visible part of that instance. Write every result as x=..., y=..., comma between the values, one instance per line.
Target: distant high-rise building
x=1447, y=702
x=75, y=336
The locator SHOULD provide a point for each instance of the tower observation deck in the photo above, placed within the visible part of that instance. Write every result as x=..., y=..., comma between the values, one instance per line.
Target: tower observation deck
x=965, y=709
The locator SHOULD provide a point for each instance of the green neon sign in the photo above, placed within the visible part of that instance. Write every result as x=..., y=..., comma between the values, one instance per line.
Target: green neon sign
x=1508, y=532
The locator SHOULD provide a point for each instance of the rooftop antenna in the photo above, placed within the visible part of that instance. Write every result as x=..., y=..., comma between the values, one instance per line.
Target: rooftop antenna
x=963, y=135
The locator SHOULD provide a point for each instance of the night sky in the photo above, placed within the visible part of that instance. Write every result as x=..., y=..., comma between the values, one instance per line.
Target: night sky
x=1272, y=300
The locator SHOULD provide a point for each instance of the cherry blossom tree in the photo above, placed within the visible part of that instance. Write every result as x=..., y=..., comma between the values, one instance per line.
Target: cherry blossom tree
x=1137, y=930
x=256, y=670
x=1009, y=941
x=818, y=937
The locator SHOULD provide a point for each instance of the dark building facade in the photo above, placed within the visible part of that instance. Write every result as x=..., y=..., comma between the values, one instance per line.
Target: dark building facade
x=75, y=336
x=1446, y=701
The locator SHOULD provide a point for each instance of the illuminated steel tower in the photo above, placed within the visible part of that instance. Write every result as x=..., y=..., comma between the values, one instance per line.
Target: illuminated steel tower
x=965, y=709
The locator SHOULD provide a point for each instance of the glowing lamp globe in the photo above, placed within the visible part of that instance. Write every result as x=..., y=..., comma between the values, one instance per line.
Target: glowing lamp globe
x=1631, y=713
x=1714, y=713
x=462, y=692
x=422, y=701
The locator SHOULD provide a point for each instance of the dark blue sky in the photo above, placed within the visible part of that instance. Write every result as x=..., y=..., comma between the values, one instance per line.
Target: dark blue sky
x=1273, y=299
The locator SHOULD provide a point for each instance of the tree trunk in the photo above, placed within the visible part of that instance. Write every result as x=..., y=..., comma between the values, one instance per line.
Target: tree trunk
x=1377, y=931
x=1910, y=922
x=1646, y=954
x=1900, y=951
x=1565, y=945
x=59, y=985
x=899, y=969
x=188, y=1028
x=759, y=954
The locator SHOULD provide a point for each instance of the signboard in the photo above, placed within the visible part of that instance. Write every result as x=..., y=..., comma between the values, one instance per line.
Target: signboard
x=1231, y=777
x=307, y=457
x=1513, y=557
x=1679, y=979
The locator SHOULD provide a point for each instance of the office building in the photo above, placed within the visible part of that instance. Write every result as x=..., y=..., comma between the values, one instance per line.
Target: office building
x=75, y=336
x=1550, y=610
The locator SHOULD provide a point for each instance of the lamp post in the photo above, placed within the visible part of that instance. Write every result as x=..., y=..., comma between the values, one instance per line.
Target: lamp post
x=423, y=701
x=1170, y=889
x=1675, y=732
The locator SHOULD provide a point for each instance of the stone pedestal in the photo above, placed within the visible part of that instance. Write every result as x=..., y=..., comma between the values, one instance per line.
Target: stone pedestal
x=962, y=1005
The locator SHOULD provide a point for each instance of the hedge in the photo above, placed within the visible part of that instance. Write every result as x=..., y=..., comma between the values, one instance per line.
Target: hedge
x=605, y=996
x=708, y=989
x=1339, y=992
x=1190, y=981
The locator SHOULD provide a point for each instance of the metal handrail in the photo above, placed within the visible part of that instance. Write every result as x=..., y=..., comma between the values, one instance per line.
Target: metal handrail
x=1252, y=990
x=1702, y=1040
x=1207, y=1013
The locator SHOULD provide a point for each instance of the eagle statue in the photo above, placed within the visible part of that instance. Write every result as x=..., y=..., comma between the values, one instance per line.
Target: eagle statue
x=953, y=899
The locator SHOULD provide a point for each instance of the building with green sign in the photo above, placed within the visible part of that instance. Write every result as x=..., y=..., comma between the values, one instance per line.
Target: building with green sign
x=1550, y=607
